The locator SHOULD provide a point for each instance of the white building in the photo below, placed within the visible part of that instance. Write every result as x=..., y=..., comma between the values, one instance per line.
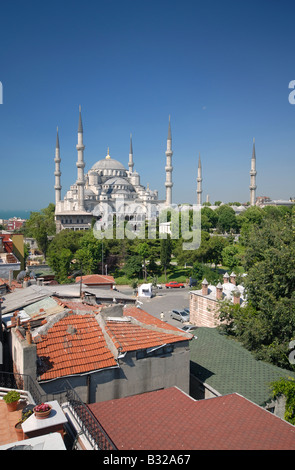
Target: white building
x=106, y=186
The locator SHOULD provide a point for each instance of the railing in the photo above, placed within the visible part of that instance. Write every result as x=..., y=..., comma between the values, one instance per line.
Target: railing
x=90, y=427
x=21, y=382
x=66, y=397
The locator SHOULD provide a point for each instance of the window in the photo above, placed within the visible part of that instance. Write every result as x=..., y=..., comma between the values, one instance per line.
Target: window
x=153, y=352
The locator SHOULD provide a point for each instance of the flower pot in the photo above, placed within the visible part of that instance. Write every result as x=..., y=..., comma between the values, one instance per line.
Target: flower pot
x=12, y=406
x=19, y=431
x=40, y=414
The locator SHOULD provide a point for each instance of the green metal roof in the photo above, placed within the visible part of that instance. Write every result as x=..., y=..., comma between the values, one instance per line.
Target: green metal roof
x=226, y=366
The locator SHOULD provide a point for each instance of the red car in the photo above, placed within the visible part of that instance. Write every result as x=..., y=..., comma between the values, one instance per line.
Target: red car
x=172, y=284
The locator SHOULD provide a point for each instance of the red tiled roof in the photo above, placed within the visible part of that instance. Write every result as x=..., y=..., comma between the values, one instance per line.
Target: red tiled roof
x=144, y=317
x=96, y=279
x=132, y=337
x=169, y=419
x=73, y=345
x=78, y=305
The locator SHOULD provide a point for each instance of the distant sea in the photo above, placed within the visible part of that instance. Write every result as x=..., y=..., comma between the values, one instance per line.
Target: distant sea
x=8, y=214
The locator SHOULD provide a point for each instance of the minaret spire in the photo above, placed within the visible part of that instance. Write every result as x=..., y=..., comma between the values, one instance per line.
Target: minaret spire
x=57, y=173
x=253, y=174
x=199, y=182
x=80, y=164
x=130, y=163
x=169, y=167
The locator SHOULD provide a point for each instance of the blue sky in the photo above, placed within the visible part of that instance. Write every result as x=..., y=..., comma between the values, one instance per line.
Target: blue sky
x=221, y=69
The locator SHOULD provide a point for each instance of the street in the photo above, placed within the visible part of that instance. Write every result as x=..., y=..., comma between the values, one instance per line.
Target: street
x=164, y=301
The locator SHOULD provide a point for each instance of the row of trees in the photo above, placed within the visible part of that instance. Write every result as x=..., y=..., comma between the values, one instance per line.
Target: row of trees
x=266, y=325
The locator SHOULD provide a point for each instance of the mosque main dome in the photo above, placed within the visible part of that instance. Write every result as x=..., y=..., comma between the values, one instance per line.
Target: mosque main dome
x=108, y=163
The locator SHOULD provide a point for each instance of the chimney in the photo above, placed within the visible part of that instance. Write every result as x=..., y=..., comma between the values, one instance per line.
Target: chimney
x=205, y=287
x=236, y=297
x=225, y=278
x=14, y=318
x=233, y=278
x=219, y=291
x=29, y=335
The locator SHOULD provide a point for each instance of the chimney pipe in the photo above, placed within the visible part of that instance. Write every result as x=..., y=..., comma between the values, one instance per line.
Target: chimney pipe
x=219, y=291
x=29, y=335
x=205, y=287
x=233, y=278
x=225, y=278
x=236, y=297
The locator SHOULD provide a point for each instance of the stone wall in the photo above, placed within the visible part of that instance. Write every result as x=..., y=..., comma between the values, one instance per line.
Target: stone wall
x=203, y=311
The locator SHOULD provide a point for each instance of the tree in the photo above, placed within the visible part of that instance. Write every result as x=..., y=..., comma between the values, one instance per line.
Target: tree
x=215, y=247
x=144, y=252
x=226, y=218
x=166, y=252
x=266, y=324
x=230, y=256
x=286, y=387
x=40, y=226
x=90, y=253
x=133, y=266
x=61, y=252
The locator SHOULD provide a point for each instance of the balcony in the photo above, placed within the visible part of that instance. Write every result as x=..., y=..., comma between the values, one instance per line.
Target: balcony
x=81, y=432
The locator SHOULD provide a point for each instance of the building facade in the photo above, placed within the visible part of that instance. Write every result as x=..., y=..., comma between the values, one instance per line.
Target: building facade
x=204, y=303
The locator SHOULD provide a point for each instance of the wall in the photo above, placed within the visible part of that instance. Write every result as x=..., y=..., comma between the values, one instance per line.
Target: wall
x=132, y=377
x=23, y=354
x=203, y=311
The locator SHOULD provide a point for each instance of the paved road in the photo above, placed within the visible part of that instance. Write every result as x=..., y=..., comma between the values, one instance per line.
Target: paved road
x=164, y=301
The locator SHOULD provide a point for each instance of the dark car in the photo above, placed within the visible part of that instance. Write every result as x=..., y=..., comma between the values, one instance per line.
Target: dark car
x=189, y=328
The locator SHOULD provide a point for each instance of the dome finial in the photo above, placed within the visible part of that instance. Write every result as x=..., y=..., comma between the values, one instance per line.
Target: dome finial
x=108, y=155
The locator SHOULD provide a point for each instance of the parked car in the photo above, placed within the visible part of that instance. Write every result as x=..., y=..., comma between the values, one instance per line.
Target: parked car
x=180, y=315
x=186, y=310
x=173, y=284
x=189, y=328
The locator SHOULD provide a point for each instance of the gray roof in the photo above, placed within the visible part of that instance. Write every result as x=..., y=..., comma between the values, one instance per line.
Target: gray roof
x=20, y=298
x=226, y=366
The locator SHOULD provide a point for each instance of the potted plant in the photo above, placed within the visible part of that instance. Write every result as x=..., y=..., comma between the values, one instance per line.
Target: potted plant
x=42, y=411
x=18, y=426
x=11, y=399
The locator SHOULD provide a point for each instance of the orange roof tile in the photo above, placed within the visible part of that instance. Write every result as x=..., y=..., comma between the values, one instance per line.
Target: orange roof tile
x=132, y=337
x=73, y=345
x=76, y=344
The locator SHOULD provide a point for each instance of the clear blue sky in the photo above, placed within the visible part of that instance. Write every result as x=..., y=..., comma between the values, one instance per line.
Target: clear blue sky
x=221, y=69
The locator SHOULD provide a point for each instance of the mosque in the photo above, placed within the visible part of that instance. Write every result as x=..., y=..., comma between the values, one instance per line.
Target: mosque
x=108, y=185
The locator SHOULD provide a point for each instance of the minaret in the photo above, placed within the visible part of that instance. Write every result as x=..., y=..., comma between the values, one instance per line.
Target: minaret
x=169, y=167
x=253, y=174
x=130, y=163
x=57, y=172
x=80, y=164
x=199, y=183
